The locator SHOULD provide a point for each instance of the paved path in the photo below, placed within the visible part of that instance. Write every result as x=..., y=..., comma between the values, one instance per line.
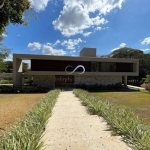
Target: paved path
x=135, y=87
x=72, y=128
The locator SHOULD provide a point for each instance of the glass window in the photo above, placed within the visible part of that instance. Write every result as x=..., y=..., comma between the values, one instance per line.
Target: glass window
x=107, y=67
x=94, y=66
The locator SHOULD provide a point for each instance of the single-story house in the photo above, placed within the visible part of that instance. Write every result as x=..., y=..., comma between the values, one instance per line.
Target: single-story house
x=87, y=69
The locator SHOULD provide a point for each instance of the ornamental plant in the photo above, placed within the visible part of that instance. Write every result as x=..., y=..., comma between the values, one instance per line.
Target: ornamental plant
x=122, y=122
x=146, y=86
x=27, y=133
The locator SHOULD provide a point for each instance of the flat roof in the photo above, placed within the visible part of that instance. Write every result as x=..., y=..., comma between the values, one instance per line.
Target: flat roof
x=72, y=58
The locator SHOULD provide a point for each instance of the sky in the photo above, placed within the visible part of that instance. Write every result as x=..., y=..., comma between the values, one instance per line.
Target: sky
x=64, y=27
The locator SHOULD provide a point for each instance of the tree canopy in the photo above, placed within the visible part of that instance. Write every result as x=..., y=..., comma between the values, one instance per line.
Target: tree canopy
x=8, y=67
x=4, y=52
x=11, y=11
x=126, y=52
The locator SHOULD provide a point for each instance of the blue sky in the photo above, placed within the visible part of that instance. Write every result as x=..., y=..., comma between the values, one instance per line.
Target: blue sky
x=64, y=27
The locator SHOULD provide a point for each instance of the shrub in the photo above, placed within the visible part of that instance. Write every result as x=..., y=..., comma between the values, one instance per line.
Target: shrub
x=28, y=81
x=27, y=133
x=122, y=122
x=147, y=79
x=97, y=87
x=23, y=89
x=6, y=81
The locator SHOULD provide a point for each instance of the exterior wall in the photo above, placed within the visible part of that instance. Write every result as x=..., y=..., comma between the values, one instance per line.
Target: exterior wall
x=44, y=81
x=47, y=78
x=49, y=81
x=88, y=52
x=6, y=75
x=100, y=80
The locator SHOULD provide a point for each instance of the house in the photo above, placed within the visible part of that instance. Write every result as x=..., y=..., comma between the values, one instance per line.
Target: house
x=87, y=69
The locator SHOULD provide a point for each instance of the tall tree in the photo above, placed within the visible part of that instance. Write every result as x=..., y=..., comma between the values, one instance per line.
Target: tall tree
x=3, y=67
x=145, y=64
x=144, y=60
x=11, y=11
x=126, y=52
x=7, y=66
x=4, y=52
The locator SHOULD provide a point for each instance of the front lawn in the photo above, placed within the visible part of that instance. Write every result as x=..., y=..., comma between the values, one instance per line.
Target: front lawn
x=138, y=102
x=15, y=106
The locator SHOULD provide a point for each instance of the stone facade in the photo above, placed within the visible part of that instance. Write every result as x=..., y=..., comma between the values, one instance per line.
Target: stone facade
x=99, y=80
x=6, y=75
x=49, y=80
x=44, y=80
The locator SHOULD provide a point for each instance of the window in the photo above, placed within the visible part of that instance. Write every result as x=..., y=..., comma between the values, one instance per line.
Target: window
x=107, y=67
x=94, y=66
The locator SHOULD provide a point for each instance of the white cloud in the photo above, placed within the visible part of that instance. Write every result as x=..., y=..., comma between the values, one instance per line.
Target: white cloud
x=4, y=35
x=146, y=49
x=103, y=6
x=98, y=28
x=72, y=51
x=76, y=22
x=120, y=46
x=87, y=34
x=49, y=50
x=75, y=18
x=39, y=5
x=34, y=46
x=71, y=43
x=146, y=41
x=56, y=43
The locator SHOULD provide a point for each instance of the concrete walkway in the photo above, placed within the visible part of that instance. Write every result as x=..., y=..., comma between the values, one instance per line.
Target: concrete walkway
x=71, y=127
x=135, y=87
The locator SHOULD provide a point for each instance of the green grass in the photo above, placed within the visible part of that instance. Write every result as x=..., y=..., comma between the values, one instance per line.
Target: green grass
x=6, y=81
x=138, y=102
x=27, y=133
x=122, y=121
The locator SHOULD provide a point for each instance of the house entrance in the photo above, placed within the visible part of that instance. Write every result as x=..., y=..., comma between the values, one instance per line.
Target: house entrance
x=64, y=81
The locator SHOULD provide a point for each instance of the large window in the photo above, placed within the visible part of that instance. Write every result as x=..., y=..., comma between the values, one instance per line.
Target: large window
x=107, y=67
x=60, y=65
x=94, y=66
x=111, y=67
x=103, y=67
x=124, y=67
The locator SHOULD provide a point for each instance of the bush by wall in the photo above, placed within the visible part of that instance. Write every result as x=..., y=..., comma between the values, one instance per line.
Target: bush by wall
x=6, y=81
x=97, y=87
x=23, y=89
x=121, y=121
x=27, y=133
